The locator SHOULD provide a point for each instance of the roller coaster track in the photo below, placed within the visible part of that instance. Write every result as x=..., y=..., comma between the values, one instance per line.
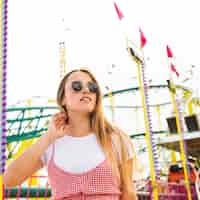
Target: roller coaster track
x=28, y=123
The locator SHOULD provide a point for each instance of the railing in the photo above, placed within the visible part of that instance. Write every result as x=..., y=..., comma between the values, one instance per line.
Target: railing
x=167, y=191
x=30, y=190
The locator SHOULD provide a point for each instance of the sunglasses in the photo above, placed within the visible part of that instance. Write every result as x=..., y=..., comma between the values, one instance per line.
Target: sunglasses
x=77, y=86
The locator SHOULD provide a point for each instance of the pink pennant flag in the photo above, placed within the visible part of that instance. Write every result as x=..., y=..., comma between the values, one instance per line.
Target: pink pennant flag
x=143, y=40
x=169, y=52
x=119, y=12
x=173, y=68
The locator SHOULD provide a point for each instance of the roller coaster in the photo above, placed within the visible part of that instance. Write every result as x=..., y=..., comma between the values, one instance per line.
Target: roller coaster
x=145, y=122
x=26, y=124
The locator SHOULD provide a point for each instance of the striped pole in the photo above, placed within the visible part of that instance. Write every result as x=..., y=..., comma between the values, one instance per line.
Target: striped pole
x=3, y=63
x=1, y=66
x=179, y=119
x=180, y=130
x=151, y=145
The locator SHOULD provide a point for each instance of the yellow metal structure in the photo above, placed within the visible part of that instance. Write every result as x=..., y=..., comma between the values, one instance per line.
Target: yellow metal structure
x=62, y=51
x=147, y=127
x=181, y=142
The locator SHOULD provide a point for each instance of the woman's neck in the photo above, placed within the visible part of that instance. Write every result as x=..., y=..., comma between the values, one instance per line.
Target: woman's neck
x=79, y=125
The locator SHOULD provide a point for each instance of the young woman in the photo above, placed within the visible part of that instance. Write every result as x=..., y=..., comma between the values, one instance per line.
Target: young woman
x=86, y=157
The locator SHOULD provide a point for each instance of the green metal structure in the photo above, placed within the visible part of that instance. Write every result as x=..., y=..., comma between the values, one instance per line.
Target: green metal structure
x=27, y=123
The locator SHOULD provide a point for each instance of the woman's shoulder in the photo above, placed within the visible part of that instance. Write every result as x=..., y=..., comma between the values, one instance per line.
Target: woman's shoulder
x=46, y=156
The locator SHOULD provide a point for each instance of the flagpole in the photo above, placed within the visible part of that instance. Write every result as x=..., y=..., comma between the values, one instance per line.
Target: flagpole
x=148, y=128
x=3, y=77
x=149, y=134
x=62, y=54
x=148, y=125
x=180, y=130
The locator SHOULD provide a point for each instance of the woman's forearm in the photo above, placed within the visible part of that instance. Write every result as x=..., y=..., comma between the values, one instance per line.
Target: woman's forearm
x=27, y=163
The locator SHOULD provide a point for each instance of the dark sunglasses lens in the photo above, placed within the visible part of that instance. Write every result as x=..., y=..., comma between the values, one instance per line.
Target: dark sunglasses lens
x=92, y=87
x=76, y=86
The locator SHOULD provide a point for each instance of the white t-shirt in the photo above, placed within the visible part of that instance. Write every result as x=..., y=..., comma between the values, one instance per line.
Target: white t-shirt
x=77, y=154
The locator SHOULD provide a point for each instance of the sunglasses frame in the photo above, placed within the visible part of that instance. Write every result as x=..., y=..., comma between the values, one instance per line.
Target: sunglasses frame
x=77, y=86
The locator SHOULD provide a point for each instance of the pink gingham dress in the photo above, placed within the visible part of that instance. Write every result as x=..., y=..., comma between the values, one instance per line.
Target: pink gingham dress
x=95, y=184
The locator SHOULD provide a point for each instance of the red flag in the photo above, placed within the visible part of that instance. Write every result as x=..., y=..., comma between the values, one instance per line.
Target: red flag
x=173, y=68
x=143, y=40
x=119, y=12
x=169, y=52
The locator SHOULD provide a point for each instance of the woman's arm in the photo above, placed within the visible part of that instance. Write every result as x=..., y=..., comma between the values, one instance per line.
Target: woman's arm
x=26, y=164
x=30, y=161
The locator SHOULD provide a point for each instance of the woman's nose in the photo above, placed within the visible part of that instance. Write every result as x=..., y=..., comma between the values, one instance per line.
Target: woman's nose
x=85, y=89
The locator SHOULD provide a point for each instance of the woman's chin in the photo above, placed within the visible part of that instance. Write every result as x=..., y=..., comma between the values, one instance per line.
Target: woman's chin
x=85, y=110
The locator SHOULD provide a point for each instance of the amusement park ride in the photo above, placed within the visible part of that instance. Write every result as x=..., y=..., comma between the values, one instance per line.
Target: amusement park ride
x=174, y=145
x=170, y=140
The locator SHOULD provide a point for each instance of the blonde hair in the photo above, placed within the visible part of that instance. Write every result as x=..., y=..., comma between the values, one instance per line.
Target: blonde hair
x=104, y=130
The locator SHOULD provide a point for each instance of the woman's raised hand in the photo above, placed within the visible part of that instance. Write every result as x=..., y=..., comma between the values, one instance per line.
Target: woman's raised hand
x=58, y=126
